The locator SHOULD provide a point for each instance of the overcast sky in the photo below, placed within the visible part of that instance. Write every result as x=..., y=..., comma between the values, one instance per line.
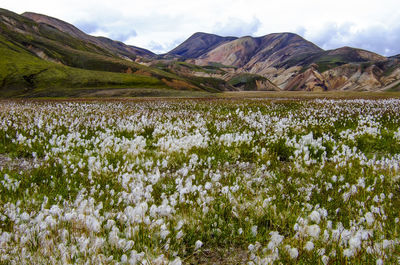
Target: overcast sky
x=161, y=25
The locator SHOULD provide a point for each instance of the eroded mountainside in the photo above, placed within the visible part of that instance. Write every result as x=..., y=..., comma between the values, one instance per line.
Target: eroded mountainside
x=292, y=63
x=40, y=52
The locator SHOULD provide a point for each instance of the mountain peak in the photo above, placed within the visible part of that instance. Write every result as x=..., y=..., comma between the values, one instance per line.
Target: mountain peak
x=198, y=44
x=271, y=50
x=356, y=55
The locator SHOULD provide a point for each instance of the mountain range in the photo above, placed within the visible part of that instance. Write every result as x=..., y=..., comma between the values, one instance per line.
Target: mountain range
x=45, y=56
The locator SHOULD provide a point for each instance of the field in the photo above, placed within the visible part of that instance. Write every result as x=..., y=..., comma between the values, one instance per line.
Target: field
x=217, y=181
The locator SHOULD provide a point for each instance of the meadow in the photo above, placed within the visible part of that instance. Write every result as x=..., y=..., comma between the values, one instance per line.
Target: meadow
x=223, y=181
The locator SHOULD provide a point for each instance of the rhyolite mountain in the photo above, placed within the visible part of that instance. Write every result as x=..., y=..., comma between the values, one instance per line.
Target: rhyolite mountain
x=199, y=44
x=247, y=51
x=45, y=56
x=292, y=63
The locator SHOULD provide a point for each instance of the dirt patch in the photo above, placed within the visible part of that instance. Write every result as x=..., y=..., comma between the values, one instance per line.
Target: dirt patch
x=20, y=164
x=219, y=256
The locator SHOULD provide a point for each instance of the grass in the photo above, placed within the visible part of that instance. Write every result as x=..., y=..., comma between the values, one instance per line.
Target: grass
x=246, y=81
x=250, y=179
x=25, y=75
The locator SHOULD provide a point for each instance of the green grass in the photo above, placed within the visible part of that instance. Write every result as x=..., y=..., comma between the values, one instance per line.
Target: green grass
x=246, y=81
x=23, y=74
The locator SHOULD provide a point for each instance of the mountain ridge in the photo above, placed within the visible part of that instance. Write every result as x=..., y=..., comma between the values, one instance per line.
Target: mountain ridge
x=121, y=49
x=204, y=61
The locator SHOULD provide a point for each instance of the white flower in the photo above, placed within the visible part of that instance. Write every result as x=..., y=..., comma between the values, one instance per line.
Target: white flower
x=92, y=224
x=386, y=243
x=309, y=246
x=321, y=251
x=315, y=216
x=293, y=253
x=355, y=242
x=313, y=230
x=124, y=258
x=254, y=230
x=176, y=261
x=379, y=262
x=369, y=217
x=179, y=225
x=25, y=216
x=325, y=259
x=348, y=252
x=164, y=231
x=179, y=235
x=276, y=240
x=198, y=245
x=251, y=247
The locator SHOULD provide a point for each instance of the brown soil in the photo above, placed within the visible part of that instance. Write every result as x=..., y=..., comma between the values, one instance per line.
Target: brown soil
x=20, y=164
x=219, y=256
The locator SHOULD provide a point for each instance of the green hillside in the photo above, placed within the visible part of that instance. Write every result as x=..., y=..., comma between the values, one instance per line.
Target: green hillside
x=39, y=60
x=23, y=74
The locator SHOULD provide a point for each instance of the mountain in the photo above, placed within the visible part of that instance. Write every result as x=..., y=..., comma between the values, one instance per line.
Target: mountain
x=395, y=57
x=198, y=44
x=57, y=59
x=45, y=56
x=290, y=62
x=271, y=50
x=117, y=47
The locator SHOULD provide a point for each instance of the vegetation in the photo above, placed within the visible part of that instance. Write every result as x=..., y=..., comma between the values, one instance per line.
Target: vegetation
x=246, y=81
x=191, y=181
x=23, y=74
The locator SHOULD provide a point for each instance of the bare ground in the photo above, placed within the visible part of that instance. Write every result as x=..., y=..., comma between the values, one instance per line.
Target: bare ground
x=229, y=256
x=20, y=164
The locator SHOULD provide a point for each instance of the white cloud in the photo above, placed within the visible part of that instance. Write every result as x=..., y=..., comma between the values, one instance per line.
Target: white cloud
x=237, y=27
x=159, y=25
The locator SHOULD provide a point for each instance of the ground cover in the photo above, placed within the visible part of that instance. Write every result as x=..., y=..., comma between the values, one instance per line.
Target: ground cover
x=178, y=181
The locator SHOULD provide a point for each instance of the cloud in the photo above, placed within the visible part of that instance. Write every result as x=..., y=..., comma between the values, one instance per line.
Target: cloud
x=114, y=27
x=378, y=38
x=237, y=27
x=122, y=35
x=87, y=26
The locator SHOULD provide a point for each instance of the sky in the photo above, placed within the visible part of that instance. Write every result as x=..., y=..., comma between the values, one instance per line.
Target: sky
x=162, y=25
